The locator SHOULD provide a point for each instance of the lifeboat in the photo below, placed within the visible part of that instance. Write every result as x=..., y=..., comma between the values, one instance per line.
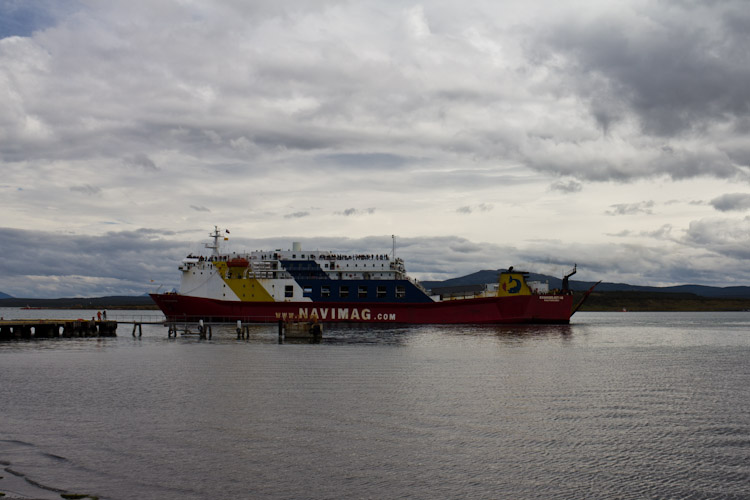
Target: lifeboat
x=238, y=262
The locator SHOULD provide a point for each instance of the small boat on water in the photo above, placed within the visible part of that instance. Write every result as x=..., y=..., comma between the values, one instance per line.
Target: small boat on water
x=323, y=286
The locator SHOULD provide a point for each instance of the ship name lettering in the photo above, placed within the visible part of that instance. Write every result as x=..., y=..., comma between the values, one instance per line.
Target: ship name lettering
x=342, y=313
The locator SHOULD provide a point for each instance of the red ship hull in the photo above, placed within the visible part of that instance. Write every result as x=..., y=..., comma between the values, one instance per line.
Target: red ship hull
x=489, y=310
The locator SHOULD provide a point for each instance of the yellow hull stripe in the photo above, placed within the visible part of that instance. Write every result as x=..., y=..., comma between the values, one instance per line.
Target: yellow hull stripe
x=247, y=289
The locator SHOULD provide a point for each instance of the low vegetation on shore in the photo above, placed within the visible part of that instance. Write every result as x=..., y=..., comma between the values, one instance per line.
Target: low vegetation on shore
x=659, y=301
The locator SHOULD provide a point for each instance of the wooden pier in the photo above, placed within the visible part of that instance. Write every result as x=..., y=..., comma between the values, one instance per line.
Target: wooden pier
x=204, y=329
x=27, y=329
x=54, y=328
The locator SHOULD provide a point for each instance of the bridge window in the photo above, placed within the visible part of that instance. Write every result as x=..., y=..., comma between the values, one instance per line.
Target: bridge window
x=362, y=292
x=289, y=291
x=344, y=292
x=400, y=292
x=325, y=291
x=307, y=292
x=381, y=292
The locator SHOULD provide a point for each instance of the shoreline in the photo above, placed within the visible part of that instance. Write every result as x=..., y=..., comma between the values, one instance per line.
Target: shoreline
x=15, y=485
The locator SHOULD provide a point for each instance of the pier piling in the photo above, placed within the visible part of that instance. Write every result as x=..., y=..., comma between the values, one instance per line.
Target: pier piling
x=139, y=326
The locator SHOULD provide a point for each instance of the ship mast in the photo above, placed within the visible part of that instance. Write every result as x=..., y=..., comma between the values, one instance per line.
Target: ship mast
x=215, y=247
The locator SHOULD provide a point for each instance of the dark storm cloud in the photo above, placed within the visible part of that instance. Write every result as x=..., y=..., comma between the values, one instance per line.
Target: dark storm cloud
x=40, y=264
x=727, y=237
x=44, y=264
x=679, y=70
x=199, y=208
x=732, y=202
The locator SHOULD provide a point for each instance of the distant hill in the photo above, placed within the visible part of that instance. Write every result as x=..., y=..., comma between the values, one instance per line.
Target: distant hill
x=5, y=296
x=114, y=302
x=490, y=276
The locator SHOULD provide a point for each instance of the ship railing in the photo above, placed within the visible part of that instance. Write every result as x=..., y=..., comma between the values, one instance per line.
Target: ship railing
x=260, y=274
x=150, y=317
x=470, y=295
x=229, y=320
x=418, y=284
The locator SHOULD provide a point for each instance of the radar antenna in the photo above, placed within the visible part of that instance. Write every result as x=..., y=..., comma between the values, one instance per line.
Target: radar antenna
x=215, y=235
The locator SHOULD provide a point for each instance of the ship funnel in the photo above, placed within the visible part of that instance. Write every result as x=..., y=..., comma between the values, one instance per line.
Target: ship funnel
x=297, y=246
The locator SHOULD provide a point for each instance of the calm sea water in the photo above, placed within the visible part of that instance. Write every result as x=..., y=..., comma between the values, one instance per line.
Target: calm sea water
x=615, y=405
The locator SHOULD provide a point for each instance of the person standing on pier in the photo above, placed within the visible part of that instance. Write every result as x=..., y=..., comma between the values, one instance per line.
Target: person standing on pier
x=99, y=315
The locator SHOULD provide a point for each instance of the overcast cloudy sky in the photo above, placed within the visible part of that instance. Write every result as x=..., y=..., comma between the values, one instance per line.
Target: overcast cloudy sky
x=484, y=134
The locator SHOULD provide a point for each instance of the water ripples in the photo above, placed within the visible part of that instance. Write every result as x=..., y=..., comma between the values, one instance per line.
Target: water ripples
x=637, y=409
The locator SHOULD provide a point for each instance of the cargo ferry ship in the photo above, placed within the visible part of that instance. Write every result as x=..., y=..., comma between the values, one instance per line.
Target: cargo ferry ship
x=322, y=286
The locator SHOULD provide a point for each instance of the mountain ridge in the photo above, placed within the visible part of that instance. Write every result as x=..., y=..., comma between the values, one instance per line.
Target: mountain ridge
x=490, y=276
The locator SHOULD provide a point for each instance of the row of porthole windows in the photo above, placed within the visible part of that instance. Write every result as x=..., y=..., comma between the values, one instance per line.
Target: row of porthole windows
x=381, y=291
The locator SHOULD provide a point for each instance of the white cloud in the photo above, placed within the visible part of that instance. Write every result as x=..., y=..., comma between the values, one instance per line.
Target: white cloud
x=297, y=215
x=643, y=207
x=566, y=187
x=87, y=189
